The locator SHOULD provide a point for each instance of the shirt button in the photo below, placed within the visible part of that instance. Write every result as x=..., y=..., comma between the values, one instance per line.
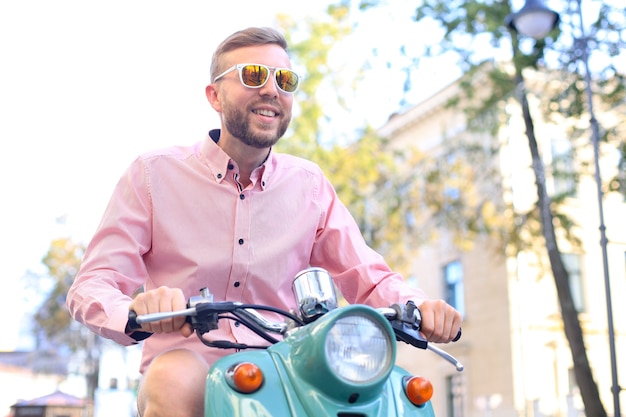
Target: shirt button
x=241, y=241
x=237, y=284
x=219, y=176
x=263, y=183
x=242, y=197
x=236, y=324
x=231, y=166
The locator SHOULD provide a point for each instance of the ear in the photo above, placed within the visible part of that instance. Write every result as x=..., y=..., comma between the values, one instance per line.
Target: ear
x=213, y=97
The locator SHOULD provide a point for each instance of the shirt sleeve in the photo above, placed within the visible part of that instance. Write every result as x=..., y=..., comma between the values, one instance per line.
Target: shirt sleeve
x=113, y=268
x=360, y=273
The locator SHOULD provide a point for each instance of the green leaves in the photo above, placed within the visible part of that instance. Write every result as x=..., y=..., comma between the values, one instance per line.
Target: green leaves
x=52, y=320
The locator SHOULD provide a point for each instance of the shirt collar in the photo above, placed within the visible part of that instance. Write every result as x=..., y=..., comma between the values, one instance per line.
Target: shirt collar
x=216, y=159
x=219, y=161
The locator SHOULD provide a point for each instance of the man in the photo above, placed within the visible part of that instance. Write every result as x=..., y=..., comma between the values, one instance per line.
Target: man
x=232, y=215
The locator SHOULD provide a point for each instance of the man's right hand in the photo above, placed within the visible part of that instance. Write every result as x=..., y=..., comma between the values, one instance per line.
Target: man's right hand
x=162, y=300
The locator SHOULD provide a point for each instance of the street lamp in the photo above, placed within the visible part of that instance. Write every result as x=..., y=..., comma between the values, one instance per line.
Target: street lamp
x=536, y=20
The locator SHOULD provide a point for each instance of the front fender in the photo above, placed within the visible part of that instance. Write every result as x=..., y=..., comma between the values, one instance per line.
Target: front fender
x=270, y=400
x=282, y=395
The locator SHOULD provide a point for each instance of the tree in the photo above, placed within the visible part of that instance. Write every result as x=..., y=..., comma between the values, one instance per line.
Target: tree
x=468, y=28
x=52, y=318
x=573, y=331
x=53, y=324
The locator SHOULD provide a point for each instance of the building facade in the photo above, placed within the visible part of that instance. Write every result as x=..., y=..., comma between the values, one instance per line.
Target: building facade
x=516, y=357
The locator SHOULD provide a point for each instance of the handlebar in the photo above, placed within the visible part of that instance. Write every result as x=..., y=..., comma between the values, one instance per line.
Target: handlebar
x=204, y=316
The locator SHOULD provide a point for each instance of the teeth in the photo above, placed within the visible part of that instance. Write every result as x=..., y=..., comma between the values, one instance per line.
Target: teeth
x=268, y=113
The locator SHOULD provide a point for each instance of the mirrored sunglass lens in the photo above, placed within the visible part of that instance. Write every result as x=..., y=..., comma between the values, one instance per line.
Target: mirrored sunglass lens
x=287, y=80
x=254, y=75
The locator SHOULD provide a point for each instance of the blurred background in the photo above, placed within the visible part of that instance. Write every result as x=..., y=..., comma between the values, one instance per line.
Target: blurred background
x=463, y=147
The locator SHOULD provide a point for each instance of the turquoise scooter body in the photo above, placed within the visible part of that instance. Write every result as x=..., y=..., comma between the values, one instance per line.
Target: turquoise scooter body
x=298, y=379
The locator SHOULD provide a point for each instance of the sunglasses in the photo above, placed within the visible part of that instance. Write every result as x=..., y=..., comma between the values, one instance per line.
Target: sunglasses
x=256, y=76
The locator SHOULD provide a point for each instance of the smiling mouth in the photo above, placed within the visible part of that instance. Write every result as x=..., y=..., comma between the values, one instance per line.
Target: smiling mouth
x=267, y=113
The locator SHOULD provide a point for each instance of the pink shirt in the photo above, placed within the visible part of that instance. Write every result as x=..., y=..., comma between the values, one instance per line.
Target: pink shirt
x=179, y=218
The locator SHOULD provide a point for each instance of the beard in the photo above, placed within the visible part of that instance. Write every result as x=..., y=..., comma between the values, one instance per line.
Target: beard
x=236, y=122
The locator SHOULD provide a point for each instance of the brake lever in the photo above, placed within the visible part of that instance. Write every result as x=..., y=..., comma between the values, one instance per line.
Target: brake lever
x=406, y=327
x=445, y=355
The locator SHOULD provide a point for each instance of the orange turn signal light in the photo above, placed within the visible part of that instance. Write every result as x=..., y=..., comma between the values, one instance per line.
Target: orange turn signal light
x=245, y=377
x=418, y=389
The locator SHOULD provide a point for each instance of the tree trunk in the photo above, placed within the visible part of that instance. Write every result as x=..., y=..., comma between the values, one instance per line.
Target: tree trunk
x=573, y=331
x=92, y=362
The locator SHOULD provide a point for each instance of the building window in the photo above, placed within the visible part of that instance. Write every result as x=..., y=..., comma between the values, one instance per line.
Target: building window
x=575, y=407
x=453, y=276
x=563, y=172
x=454, y=395
x=572, y=262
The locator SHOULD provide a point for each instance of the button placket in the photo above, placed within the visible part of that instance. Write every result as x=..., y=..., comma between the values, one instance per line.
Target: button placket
x=241, y=248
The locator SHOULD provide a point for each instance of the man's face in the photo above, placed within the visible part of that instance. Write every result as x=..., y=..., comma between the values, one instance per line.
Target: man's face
x=258, y=117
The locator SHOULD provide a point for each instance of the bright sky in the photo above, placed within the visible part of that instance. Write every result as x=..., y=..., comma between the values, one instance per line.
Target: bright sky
x=85, y=87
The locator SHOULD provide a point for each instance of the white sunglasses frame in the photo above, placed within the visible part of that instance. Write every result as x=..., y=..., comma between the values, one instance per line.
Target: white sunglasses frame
x=239, y=67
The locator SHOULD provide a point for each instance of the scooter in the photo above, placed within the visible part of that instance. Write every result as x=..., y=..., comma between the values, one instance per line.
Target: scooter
x=322, y=360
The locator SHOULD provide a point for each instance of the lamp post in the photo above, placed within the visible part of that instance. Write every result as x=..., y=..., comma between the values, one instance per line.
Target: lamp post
x=536, y=20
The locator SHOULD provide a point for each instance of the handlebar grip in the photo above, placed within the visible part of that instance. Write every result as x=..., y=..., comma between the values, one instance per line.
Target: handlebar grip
x=458, y=335
x=132, y=321
x=132, y=328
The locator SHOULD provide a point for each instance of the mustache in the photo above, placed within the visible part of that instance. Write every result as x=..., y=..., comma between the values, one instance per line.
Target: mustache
x=267, y=100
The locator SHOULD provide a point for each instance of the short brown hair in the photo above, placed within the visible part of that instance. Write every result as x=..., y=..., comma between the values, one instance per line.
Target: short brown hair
x=246, y=37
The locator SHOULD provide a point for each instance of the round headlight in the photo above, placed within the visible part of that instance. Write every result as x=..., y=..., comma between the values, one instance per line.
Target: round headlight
x=358, y=348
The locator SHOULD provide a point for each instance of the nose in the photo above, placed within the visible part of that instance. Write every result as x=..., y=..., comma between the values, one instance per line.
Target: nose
x=269, y=88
